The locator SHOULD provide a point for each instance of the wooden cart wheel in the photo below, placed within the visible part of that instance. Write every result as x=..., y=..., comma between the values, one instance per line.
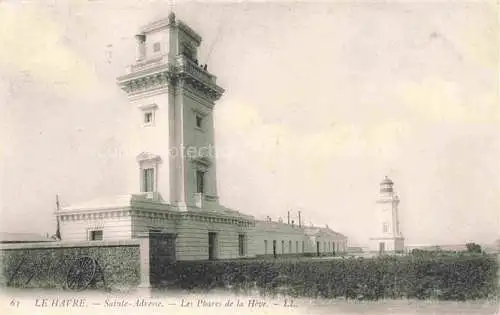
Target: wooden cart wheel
x=81, y=273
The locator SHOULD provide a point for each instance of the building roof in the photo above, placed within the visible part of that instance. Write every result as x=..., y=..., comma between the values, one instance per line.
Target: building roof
x=6, y=237
x=224, y=211
x=131, y=200
x=169, y=21
x=314, y=231
x=308, y=230
x=278, y=226
x=108, y=202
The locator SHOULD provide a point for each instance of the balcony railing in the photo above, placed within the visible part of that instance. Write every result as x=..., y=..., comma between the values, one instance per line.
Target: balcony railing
x=188, y=66
x=183, y=65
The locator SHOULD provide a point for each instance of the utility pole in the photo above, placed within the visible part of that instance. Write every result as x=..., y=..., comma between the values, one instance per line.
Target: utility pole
x=58, y=228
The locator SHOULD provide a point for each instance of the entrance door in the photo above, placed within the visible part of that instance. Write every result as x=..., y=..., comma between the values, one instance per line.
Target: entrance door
x=381, y=247
x=161, y=253
x=274, y=248
x=212, y=245
x=317, y=248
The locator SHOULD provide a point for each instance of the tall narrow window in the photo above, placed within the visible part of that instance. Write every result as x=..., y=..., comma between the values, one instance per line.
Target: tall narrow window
x=303, y=246
x=289, y=246
x=212, y=245
x=147, y=180
x=282, y=247
x=385, y=227
x=200, y=182
x=147, y=176
x=296, y=246
x=265, y=247
x=199, y=121
x=241, y=244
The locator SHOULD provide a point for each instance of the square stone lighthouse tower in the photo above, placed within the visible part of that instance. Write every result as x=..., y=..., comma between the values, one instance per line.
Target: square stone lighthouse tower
x=172, y=129
x=388, y=236
x=172, y=196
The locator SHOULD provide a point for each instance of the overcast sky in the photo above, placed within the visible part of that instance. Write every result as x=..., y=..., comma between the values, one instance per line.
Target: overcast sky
x=322, y=101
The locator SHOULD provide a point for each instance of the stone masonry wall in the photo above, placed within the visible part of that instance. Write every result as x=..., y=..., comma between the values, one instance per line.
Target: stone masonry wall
x=44, y=265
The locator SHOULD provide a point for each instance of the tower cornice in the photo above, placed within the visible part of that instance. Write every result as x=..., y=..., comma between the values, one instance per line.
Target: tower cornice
x=145, y=82
x=159, y=73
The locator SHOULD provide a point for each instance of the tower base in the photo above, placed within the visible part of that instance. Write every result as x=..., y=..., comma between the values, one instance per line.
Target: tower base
x=387, y=245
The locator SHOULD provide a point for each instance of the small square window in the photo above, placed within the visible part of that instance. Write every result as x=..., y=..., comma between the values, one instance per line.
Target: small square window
x=199, y=120
x=148, y=118
x=156, y=47
x=96, y=235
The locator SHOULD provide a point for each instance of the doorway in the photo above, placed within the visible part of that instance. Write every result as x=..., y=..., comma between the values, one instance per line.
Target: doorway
x=381, y=247
x=212, y=245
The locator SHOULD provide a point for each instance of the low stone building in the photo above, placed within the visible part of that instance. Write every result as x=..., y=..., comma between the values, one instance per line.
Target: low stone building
x=194, y=234
x=273, y=238
x=173, y=174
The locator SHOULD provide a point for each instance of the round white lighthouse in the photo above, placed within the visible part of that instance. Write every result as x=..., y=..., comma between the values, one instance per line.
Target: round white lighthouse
x=387, y=237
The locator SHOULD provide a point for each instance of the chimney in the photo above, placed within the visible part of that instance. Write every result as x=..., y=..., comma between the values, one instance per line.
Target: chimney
x=288, y=217
x=300, y=224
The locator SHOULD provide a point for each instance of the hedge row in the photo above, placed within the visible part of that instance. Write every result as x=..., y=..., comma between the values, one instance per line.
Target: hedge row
x=460, y=277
